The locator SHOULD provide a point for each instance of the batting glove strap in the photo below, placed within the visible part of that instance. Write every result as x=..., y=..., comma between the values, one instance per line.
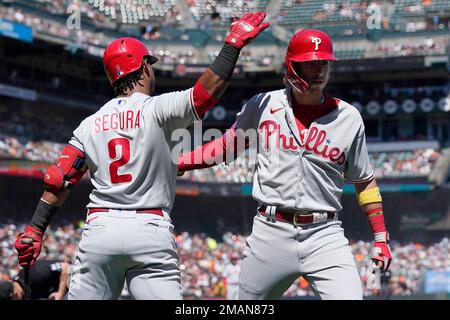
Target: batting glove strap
x=33, y=233
x=382, y=237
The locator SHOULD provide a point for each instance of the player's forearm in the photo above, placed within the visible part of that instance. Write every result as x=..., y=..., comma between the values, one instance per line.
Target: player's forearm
x=200, y=159
x=213, y=84
x=46, y=208
x=215, y=80
x=369, y=198
x=62, y=288
x=55, y=198
x=218, y=76
x=371, y=203
x=212, y=153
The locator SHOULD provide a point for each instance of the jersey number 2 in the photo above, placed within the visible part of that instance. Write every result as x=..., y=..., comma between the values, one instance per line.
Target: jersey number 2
x=124, y=144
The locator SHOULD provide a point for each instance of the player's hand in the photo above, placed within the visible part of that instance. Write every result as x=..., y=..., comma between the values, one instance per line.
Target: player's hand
x=246, y=29
x=381, y=253
x=56, y=296
x=28, y=246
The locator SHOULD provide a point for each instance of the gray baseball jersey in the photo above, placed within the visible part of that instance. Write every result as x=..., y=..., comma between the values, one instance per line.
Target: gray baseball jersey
x=304, y=170
x=128, y=149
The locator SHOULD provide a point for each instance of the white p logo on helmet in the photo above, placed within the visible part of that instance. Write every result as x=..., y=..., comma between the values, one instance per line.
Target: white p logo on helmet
x=316, y=41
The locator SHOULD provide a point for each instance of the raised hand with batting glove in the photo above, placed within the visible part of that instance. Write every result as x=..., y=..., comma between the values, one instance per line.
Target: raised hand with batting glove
x=245, y=30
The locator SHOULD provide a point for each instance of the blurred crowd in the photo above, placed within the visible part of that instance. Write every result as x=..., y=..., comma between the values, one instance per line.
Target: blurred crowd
x=92, y=20
x=109, y=14
x=167, y=56
x=221, y=11
x=332, y=11
x=81, y=37
x=415, y=163
x=407, y=47
x=59, y=7
x=394, y=15
x=16, y=148
x=35, y=127
x=203, y=260
x=152, y=20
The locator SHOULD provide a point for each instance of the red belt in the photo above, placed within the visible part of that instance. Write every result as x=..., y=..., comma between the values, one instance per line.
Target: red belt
x=298, y=218
x=158, y=212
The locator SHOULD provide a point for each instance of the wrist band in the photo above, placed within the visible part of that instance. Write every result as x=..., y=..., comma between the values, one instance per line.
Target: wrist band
x=369, y=196
x=376, y=220
x=42, y=215
x=225, y=62
x=374, y=212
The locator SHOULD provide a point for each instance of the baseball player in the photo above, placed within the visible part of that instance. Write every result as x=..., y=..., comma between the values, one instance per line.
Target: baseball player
x=48, y=280
x=308, y=145
x=231, y=274
x=127, y=147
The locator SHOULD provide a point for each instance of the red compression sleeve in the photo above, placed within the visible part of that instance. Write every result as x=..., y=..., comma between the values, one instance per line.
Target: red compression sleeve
x=198, y=159
x=203, y=102
x=376, y=220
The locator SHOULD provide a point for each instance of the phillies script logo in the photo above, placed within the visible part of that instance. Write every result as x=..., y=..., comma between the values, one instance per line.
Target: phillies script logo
x=311, y=140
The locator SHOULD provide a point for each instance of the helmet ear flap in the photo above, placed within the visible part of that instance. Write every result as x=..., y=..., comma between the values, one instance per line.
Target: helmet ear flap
x=296, y=68
x=293, y=78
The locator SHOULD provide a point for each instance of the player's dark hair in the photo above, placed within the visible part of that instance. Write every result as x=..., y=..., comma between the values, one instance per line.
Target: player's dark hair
x=129, y=81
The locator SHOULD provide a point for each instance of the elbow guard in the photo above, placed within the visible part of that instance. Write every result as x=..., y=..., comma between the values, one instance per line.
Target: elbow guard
x=67, y=172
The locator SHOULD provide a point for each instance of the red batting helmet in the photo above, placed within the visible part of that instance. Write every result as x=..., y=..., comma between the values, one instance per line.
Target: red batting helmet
x=306, y=45
x=123, y=56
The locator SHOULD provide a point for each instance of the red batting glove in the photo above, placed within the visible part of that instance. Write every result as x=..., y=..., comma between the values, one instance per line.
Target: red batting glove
x=28, y=245
x=381, y=252
x=246, y=29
